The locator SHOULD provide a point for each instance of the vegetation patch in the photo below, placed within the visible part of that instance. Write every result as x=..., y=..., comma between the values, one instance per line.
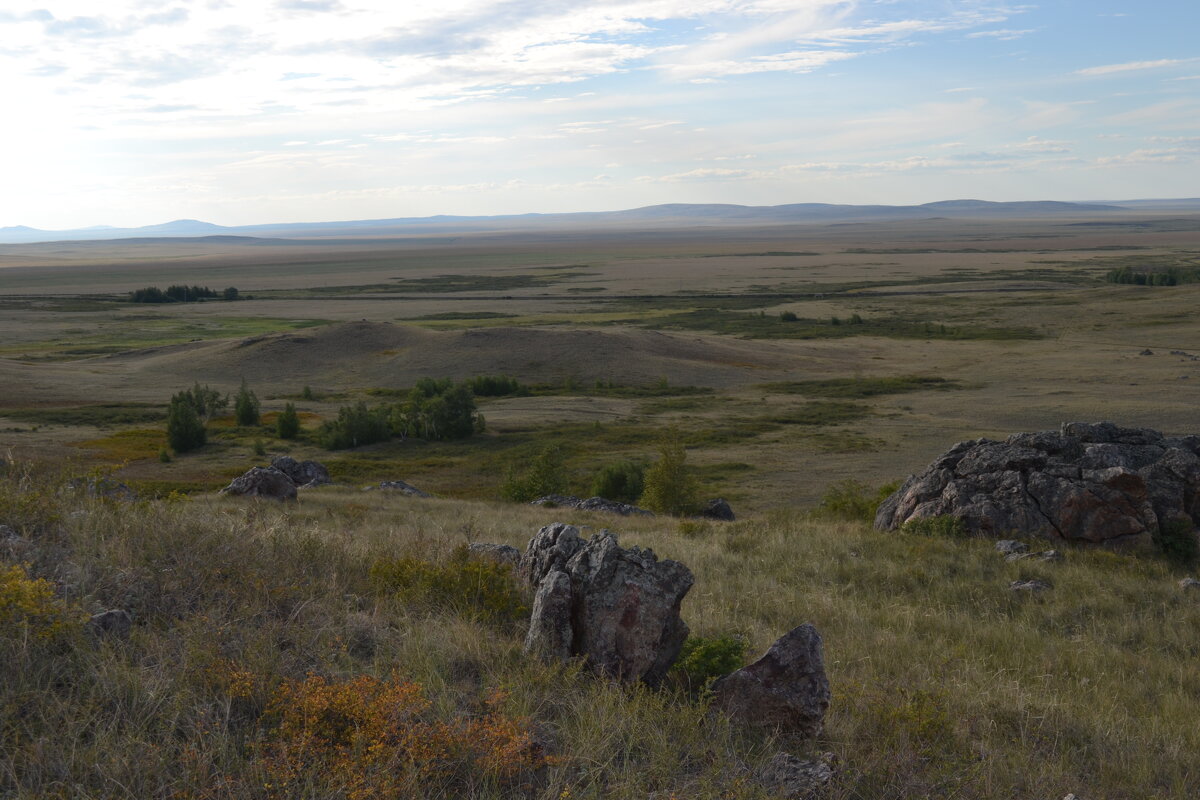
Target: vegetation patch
x=450, y=284
x=128, y=445
x=463, y=585
x=100, y=415
x=861, y=388
x=762, y=326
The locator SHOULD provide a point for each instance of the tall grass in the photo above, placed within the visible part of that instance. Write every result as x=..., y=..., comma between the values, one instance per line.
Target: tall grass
x=945, y=683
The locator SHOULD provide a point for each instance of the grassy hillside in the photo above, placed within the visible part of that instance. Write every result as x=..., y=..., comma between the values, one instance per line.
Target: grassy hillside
x=260, y=629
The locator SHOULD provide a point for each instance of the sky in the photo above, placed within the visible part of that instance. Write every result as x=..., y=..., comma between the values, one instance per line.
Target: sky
x=134, y=112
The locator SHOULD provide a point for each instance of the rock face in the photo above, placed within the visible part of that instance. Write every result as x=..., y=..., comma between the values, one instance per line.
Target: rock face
x=305, y=474
x=402, y=488
x=1087, y=483
x=590, y=504
x=263, y=482
x=617, y=608
x=718, y=509
x=786, y=688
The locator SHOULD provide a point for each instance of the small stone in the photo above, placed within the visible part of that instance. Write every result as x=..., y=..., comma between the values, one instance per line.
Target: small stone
x=1031, y=586
x=8, y=532
x=113, y=624
x=1146, y=352
x=1048, y=555
x=792, y=778
x=1008, y=546
x=1189, y=584
x=402, y=488
x=718, y=509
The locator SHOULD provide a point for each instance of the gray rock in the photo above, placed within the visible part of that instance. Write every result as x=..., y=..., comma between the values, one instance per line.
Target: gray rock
x=113, y=624
x=262, y=482
x=1048, y=555
x=718, y=509
x=500, y=553
x=402, y=487
x=550, y=627
x=305, y=474
x=1029, y=587
x=787, y=688
x=793, y=778
x=1092, y=483
x=1010, y=546
x=1146, y=352
x=590, y=504
x=104, y=488
x=1189, y=584
x=8, y=532
x=623, y=608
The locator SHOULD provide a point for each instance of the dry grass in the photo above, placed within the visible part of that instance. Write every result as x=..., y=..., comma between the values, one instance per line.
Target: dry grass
x=945, y=683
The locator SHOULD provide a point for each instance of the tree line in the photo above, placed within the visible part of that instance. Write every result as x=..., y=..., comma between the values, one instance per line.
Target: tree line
x=181, y=293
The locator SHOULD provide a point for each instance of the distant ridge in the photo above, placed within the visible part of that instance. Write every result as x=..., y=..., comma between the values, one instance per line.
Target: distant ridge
x=670, y=213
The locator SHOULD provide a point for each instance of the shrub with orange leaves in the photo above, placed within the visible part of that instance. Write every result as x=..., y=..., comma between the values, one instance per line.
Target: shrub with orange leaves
x=371, y=738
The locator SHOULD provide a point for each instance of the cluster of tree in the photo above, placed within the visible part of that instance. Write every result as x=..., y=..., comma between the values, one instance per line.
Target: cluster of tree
x=667, y=486
x=180, y=294
x=496, y=386
x=435, y=409
x=1168, y=277
x=190, y=409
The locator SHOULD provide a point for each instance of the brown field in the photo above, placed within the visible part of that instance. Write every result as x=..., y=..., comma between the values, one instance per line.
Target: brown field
x=582, y=307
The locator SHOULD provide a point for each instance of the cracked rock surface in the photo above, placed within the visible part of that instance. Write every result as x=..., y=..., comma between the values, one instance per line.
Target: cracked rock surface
x=1086, y=483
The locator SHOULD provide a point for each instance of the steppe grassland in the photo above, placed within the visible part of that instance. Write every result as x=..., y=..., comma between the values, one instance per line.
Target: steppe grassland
x=1078, y=357
x=945, y=683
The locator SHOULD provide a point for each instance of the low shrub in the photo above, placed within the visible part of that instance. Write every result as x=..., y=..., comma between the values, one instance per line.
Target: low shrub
x=851, y=499
x=623, y=481
x=28, y=607
x=670, y=487
x=704, y=659
x=463, y=585
x=371, y=738
x=544, y=475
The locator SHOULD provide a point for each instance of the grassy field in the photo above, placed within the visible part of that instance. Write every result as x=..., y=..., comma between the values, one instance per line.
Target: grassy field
x=787, y=360
x=945, y=683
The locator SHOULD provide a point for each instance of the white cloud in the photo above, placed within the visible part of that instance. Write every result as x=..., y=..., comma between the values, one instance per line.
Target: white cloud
x=1131, y=66
x=1002, y=34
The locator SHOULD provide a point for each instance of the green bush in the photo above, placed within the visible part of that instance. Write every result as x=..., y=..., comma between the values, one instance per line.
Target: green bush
x=623, y=481
x=287, y=424
x=850, y=499
x=1176, y=540
x=463, y=585
x=943, y=525
x=355, y=425
x=670, y=488
x=437, y=410
x=246, y=406
x=185, y=428
x=495, y=386
x=544, y=475
x=703, y=659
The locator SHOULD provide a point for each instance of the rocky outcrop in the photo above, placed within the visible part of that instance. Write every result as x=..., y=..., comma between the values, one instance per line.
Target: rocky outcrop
x=262, y=482
x=401, y=487
x=617, y=608
x=718, y=509
x=787, y=688
x=1087, y=483
x=104, y=488
x=590, y=504
x=305, y=474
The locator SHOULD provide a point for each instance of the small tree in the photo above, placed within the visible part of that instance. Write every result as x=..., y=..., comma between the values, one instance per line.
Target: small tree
x=623, y=481
x=544, y=475
x=205, y=400
x=287, y=424
x=669, y=487
x=230, y=293
x=246, y=406
x=185, y=429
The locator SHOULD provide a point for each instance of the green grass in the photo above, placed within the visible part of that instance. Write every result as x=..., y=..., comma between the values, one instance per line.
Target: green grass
x=861, y=388
x=761, y=326
x=97, y=414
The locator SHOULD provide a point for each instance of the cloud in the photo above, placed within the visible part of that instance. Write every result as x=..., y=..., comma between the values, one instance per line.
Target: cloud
x=1001, y=34
x=705, y=174
x=1131, y=66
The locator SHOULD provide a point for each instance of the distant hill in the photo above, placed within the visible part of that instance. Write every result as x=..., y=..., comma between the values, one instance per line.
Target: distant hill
x=657, y=215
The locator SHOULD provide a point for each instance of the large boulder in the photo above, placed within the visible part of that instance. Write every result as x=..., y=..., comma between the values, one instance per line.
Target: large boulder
x=262, y=482
x=718, y=509
x=1087, y=483
x=787, y=688
x=305, y=474
x=618, y=608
